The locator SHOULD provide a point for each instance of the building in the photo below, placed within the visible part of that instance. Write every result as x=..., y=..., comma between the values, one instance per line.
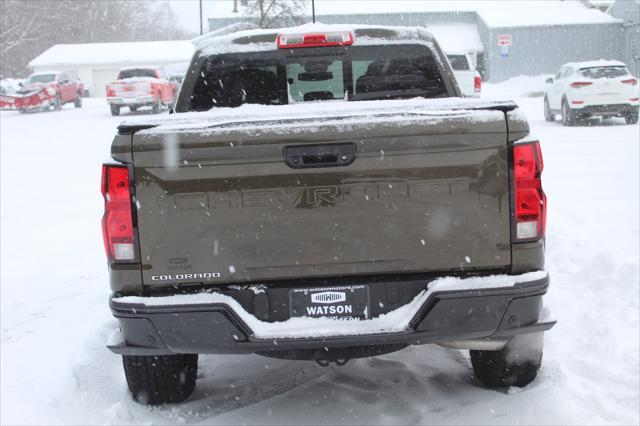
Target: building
x=629, y=12
x=509, y=38
x=96, y=64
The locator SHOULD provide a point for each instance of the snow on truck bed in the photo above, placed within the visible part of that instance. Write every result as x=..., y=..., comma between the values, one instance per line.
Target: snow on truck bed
x=339, y=111
x=392, y=322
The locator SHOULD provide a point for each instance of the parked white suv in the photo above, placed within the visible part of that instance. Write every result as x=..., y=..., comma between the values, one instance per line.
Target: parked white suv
x=597, y=88
x=468, y=78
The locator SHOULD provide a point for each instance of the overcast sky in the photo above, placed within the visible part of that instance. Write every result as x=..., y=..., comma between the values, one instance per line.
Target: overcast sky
x=188, y=12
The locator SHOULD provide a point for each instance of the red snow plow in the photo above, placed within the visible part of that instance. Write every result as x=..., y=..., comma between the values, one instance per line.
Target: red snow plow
x=7, y=102
x=43, y=91
x=32, y=100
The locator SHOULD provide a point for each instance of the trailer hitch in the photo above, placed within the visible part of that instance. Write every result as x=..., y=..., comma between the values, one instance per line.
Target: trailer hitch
x=324, y=357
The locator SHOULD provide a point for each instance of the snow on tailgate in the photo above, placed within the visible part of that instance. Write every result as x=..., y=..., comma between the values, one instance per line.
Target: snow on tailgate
x=285, y=116
x=392, y=322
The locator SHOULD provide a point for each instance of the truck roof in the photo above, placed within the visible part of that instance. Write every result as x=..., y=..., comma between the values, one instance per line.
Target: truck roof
x=265, y=39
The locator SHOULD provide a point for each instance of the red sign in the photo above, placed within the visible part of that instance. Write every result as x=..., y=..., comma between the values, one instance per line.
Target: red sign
x=504, y=39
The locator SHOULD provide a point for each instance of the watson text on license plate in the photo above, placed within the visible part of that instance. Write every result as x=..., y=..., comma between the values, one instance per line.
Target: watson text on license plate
x=345, y=302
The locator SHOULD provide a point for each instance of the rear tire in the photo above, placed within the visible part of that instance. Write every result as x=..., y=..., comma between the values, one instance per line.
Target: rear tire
x=77, y=102
x=548, y=114
x=161, y=379
x=631, y=118
x=115, y=109
x=133, y=108
x=517, y=364
x=568, y=118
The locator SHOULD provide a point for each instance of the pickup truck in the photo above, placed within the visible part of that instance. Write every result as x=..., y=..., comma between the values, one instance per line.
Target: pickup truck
x=467, y=76
x=56, y=90
x=140, y=87
x=324, y=193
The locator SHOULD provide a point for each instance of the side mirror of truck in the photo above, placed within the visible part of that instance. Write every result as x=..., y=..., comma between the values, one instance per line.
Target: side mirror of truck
x=549, y=80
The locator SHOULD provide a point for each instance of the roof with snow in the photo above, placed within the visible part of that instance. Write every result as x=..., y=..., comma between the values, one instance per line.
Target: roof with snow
x=457, y=37
x=598, y=63
x=265, y=39
x=116, y=53
x=495, y=13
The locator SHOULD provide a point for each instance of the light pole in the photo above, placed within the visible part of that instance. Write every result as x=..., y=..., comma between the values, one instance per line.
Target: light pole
x=200, y=1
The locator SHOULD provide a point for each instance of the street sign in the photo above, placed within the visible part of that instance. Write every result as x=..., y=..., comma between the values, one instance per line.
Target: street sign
x=504, y=39
x=504, y=51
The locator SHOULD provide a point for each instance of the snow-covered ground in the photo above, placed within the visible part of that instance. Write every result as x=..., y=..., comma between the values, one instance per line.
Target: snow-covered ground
x=55, y=318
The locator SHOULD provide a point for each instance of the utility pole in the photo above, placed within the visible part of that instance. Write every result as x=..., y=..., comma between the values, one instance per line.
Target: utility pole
x=200, y=1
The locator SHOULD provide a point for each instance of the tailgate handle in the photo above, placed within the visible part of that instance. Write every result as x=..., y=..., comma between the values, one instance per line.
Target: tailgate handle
x=325, y=155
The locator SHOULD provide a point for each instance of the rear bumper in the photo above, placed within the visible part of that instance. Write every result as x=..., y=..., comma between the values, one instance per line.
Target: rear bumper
x=447, y=317
x=609, y=109
x=138, y=100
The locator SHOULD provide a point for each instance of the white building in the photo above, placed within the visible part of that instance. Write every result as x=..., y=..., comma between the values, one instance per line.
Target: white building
x=510, y=38
x=96, y=64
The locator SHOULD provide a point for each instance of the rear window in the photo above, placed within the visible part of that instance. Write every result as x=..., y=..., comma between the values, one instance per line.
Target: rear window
x=603, y=72
x=42, y=78
x=137, y=72
x=459, y=62
x=289, y=76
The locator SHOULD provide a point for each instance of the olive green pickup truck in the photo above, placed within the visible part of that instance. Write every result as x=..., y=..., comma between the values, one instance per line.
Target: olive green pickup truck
x=324, y=193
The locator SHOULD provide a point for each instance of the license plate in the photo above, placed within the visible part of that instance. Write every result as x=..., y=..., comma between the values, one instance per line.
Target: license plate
x=346, y=302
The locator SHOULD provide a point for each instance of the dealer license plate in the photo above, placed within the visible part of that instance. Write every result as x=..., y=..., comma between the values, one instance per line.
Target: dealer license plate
x=346, y=302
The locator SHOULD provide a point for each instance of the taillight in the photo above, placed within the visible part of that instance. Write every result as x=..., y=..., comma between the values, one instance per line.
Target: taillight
x=579, y=84
x=341, y=38
x=117, y=222
x=529, y=198
x=477, y=84
x=110, y=92
x=631, y=81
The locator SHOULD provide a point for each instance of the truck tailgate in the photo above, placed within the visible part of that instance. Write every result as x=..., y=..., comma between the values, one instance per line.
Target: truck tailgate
x=425, y=192
x=131, y=87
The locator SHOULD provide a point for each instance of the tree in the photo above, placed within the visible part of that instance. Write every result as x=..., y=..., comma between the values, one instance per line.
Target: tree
x=29, y=27
x=276, y=13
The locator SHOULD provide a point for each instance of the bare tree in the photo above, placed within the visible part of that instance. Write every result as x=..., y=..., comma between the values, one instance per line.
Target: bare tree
x=19, y=28
x=29, y=27
x=276, y=13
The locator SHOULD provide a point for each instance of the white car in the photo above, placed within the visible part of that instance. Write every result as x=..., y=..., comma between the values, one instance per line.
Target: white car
x=465, y=73
x=597, y=88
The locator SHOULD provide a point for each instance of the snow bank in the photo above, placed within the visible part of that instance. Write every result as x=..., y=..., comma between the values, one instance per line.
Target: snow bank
x=391, y=322
x=522, y=85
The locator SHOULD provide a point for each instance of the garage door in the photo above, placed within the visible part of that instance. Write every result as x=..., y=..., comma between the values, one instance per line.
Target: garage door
x=100, y=80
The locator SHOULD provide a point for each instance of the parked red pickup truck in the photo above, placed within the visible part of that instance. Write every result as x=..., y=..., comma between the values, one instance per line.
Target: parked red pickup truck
x=139, y=87
x=49, y=89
